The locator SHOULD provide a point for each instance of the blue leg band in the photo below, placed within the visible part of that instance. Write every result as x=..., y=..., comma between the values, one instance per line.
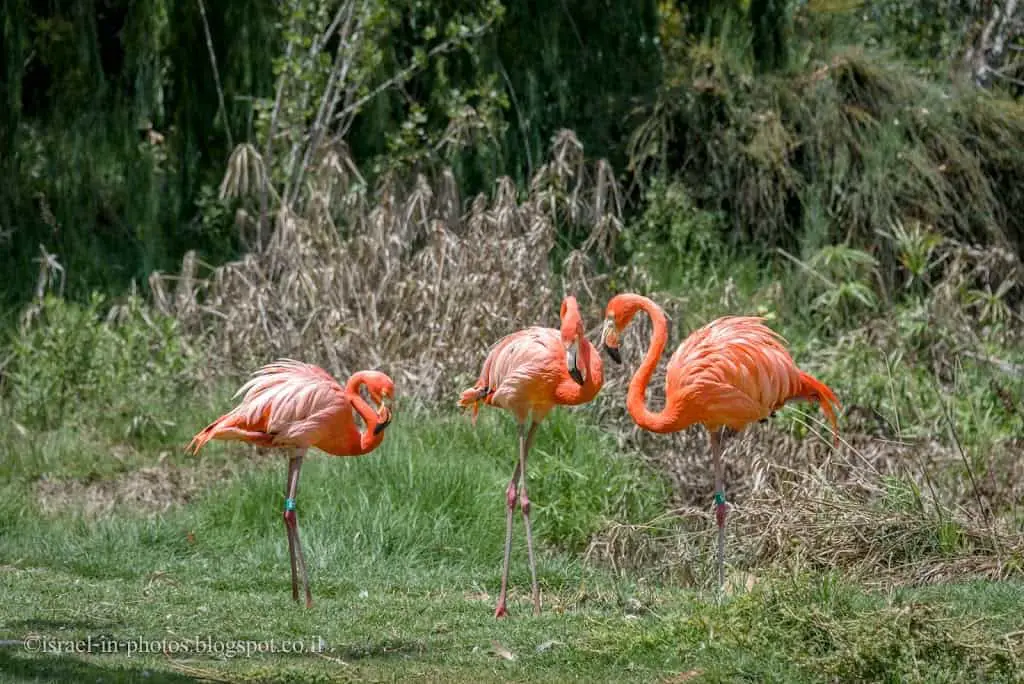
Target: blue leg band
x=289, y=504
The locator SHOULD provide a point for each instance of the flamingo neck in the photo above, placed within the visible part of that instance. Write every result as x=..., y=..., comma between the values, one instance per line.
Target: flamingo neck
x=669, y=418
x=592, y=362
x=365, y=441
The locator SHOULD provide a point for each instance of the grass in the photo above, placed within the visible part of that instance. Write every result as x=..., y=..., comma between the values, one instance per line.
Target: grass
x=404, y=552
x=804, y=629
x=865, y=564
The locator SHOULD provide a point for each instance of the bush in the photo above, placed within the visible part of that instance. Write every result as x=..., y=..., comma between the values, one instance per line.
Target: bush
x=846, y=145
x=71, y=364
x=673, y=233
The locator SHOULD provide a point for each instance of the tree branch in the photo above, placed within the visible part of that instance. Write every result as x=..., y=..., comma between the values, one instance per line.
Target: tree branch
x=268, y=148
x=216, y=74
x=986, y=57
x=403, y=75
x=327, y=101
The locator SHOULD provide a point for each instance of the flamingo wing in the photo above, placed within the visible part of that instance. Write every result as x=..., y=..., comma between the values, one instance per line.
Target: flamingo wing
x=286, y=403
x=735, y=370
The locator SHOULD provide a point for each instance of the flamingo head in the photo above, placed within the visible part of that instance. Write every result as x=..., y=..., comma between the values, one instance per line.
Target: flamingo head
x=381, y=390
x=617, y=315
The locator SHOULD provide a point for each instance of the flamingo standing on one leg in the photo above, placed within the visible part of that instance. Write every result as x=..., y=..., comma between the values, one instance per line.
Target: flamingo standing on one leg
x=728, y=374
x=528, y=372
x=295, y=405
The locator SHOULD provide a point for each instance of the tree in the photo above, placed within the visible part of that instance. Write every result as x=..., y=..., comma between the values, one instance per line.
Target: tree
x=987, y=58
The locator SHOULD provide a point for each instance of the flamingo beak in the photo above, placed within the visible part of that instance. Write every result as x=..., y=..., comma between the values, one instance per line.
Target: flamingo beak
x=384, y=412
x=571, y=362
x=613, y=354
x=610, y=342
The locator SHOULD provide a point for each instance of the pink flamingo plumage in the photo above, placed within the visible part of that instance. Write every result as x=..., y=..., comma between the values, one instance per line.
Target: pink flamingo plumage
x=728, y=374
x=527, y=373
x=298, y=406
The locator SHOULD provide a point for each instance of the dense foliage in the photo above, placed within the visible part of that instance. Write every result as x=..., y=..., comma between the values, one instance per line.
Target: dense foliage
x=120, y=116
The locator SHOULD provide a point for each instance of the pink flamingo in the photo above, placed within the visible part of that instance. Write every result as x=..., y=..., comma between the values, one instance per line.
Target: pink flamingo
x=728, y=374
x=296, y=406
x=527, y=373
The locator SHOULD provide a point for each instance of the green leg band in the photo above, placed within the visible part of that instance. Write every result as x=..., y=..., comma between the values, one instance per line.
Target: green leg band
x=719, y=498
x=289, y=504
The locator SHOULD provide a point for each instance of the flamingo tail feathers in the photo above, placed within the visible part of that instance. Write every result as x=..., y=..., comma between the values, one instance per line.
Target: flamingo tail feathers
x=204, y=436
x=230, y=427
x=813, y=389
x=473, y=397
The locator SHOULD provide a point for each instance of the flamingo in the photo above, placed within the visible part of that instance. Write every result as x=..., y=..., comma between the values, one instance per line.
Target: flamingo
x=293, y=405
x=728, y=374
x=527, y=373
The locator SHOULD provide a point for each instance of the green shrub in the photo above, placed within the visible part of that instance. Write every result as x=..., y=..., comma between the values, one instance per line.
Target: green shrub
x=673, y=233
x=71, y=364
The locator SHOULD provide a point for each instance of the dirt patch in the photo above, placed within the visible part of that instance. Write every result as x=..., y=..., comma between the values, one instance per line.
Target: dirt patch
x=153, y=490
x=148, y=490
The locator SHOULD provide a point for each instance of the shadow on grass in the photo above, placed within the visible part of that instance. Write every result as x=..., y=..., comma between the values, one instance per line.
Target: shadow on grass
x=50, y=626
x=380, y=649
x=57, y=668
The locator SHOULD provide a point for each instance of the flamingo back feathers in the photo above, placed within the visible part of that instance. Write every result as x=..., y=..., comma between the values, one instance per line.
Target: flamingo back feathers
x=517, y=373
x=286, y=403
x=735, y=370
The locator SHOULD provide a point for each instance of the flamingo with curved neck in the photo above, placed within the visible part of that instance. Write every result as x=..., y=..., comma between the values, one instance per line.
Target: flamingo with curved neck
x=527, y=373
x=298, y=406
x=728, y=374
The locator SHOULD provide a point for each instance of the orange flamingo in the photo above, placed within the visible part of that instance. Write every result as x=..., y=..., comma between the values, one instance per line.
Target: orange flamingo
x=527, y=373
x=295, y=406
x=728, y=374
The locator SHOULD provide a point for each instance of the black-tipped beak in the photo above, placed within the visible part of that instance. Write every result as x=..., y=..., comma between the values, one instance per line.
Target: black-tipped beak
x=613, y=354
x=379, y=427
x=570, y=363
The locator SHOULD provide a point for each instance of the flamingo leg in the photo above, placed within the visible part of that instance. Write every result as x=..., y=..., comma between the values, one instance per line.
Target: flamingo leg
x=524, y=505
x=715, y=442
x=511, y=494
x=289, y=522
x=298, y=559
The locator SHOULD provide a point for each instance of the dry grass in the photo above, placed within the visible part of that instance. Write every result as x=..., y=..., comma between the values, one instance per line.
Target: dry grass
x=882, y=511
x=149, y=490
x=410, y=284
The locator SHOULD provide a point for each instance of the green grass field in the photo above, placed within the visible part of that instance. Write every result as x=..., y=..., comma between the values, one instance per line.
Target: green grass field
x=404, y=551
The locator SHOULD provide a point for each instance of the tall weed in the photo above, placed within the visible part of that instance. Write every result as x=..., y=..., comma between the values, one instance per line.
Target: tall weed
x=120, y=366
